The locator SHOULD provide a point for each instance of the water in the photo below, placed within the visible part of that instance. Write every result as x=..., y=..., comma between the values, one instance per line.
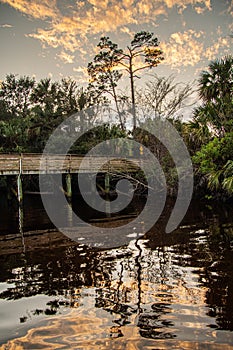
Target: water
x=171, y=291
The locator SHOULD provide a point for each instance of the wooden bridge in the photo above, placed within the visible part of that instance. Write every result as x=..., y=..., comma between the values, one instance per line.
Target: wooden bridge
x=25, y=164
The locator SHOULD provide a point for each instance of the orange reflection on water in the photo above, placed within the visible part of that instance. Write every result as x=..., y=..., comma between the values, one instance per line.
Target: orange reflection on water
x=135, y=297
x=93, y=330
x=88, y=327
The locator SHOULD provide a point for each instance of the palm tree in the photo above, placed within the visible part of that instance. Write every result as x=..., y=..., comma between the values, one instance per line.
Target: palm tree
x=197, y=131
x=217, y=82
x=216, y=90
x=222, y=177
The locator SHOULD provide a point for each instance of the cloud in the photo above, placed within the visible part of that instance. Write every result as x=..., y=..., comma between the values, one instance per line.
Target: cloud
x=188, y=48
x=198, y=5
x=127, y=31
x=91, y=17
x=65, y=57
x=72, y=29
x=199, y=10
x=41, y=9
x=6, y=26
x=183, y=49
x=221, y=45
x=81, y=74
x=230, y=27
x=230, y=8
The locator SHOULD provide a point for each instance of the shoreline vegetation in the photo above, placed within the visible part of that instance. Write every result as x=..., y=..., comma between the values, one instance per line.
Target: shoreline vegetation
x=31, y=110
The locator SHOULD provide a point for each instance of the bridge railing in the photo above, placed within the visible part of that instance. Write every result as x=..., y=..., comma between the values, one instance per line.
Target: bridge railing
x=11, y=164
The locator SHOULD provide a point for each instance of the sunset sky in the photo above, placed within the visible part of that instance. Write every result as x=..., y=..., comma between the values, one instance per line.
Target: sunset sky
x=57, y=38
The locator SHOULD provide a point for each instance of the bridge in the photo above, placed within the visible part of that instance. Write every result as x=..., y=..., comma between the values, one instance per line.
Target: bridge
x=29, y=164
x=26, y=164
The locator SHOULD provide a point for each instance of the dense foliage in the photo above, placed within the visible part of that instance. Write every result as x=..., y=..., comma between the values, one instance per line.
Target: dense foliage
x=214, y=158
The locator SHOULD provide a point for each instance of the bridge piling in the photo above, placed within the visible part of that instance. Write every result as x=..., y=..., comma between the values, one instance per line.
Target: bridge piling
x=107, y=183
x=20, y=189
x=68, y=186
x=19, y=183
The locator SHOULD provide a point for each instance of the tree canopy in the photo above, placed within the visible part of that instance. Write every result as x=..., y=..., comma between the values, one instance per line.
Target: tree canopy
x=142, y=53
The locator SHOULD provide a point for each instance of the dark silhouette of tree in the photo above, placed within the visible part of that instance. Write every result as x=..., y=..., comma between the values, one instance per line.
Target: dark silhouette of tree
x=214, y=159
x=103, y=73
x=217, y=82
x=30, y=110
x=142, y=53
x=15, y=94
x=216, y=90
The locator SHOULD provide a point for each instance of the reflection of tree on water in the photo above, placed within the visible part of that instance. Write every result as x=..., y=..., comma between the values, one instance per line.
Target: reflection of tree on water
x=140, y=294
x=138, y=284
x=152, y=321
x=218, y=274
x=151, y=325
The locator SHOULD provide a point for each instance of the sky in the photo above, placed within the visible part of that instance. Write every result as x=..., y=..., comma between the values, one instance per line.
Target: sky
x=57, y=38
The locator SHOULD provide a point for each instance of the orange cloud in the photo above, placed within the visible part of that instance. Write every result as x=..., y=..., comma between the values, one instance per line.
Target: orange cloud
x=6, y=26
x=196, y=4
x=82, y=74
x=71, y=31
x=65, y=57
x=221, y=44
x=36, y=8
x=183, y=49
x=102, y=17
x=99, y=16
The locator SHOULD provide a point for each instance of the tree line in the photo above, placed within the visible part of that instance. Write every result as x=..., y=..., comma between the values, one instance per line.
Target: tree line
x=31, y=110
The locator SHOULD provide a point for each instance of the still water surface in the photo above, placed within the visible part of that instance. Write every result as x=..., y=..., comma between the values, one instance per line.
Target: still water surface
x=165, y=291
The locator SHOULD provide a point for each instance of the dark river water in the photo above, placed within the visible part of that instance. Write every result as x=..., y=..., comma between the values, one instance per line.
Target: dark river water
x=163, y=291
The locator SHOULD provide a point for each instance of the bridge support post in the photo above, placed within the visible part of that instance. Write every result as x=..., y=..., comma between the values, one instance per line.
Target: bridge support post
x=20, y=189
x=107, y=192
x=19, y=183
x=107, y=183
x=68, y=186
x=69, y=214
x=21, y=221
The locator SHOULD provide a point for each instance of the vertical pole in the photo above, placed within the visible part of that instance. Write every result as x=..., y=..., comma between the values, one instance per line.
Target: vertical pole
x=19, y=183
x=20, y=189
x=69, y=214
x=68, y=186
x=20, y=214
x=107, y=191
x=107, y=183
x=20, y=199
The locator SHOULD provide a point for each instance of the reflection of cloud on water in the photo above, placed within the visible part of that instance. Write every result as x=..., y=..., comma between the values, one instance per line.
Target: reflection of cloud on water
x=92, y=329
x=130, y=302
